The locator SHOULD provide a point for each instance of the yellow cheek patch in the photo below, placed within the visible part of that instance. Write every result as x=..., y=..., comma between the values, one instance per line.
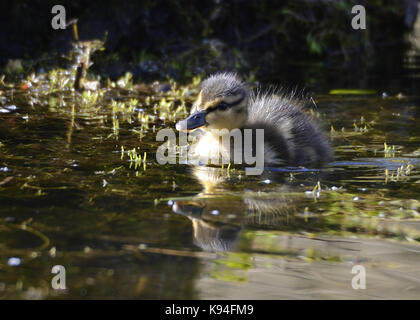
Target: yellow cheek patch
x=212, y=103
x=211, y=117
x=199, y=99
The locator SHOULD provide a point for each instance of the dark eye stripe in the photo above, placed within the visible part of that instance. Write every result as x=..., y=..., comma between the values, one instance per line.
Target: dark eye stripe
x=225, y=105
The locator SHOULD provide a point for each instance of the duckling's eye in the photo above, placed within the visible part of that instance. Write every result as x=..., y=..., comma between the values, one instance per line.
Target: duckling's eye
x=222, y=106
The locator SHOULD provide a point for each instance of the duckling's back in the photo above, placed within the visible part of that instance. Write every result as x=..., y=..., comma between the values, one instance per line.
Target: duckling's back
x=291, y=136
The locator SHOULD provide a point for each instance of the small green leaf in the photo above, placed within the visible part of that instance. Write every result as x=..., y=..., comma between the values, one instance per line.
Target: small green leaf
x=352, y=91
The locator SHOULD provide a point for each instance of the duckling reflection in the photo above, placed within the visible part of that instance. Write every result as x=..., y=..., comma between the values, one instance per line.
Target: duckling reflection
x=209, y=236
x=218, y=218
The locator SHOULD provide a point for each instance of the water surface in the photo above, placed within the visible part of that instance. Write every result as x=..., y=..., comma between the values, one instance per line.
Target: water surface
x=73, y=194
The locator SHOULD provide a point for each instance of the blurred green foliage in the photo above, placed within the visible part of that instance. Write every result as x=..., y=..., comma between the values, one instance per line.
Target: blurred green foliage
x=183, y=38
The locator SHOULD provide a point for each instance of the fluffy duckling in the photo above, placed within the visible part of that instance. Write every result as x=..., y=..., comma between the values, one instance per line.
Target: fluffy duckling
x=291, y=137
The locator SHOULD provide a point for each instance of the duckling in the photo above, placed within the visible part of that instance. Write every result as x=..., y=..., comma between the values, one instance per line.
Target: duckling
x=291, y=137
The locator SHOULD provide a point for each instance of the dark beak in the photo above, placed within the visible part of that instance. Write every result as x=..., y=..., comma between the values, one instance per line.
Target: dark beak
x=194, y=121
x=189, y=209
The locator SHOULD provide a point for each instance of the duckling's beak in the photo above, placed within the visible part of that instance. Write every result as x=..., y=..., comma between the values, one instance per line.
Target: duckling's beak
x=194, y=121
x=190, y=209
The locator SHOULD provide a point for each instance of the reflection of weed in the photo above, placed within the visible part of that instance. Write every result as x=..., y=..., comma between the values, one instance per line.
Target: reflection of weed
x=52, y=89
x=59, y=80
x=126, y=81
x=359, y=127
x=135, y=158
x=401, y=174
x=312, y=255
x=231, y=266
x=228, y=275
x=389, y=151
x=316, y=191
x=89, y=98
x=271, y=243
x=115, y=126
x=366, y=215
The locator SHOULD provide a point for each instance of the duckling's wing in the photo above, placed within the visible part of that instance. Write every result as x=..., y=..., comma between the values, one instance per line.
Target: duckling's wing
x=285, y=114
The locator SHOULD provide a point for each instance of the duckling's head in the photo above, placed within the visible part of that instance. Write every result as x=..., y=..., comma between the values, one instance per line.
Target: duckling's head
x=221, y=104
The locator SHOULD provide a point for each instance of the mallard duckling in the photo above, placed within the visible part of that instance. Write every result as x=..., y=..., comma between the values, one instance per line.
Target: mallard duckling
x=291, y=136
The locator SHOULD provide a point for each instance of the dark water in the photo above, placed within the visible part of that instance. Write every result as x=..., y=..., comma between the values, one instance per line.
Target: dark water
x=125, y=229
